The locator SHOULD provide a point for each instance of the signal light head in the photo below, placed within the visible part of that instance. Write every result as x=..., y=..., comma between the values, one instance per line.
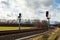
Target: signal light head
x=47, y=13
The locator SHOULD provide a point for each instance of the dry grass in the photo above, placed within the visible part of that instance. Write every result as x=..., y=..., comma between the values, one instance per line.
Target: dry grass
x=54, y=34
x=47, y=36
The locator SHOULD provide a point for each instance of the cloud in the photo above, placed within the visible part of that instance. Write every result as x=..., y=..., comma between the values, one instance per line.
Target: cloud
x=30, y=9
x=16, y=7
x=40, y=7
x=39, y=3
x=58, y=7
x=55, y=14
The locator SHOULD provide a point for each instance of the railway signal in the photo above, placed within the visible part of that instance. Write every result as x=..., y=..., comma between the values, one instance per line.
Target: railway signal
x=48, y=18
x=47, y=13
x=19, y=18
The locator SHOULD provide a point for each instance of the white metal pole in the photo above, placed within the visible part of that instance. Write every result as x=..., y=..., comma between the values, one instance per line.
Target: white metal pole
x=19, y=18
x=19, y=24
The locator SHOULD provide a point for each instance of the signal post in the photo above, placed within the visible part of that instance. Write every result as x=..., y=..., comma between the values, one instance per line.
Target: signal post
x=19, y=18
x=48, y=18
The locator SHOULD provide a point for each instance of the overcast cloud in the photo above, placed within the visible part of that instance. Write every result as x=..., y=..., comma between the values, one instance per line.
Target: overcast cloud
x=30, y=9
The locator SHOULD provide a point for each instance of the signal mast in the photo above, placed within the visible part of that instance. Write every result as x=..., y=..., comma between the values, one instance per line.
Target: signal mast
x=48, y=18
x=19, y=18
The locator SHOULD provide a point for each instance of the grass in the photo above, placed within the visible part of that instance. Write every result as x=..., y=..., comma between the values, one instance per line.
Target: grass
x=47, y=36
x=8, y=28
x=54, y=35
x=14, y=28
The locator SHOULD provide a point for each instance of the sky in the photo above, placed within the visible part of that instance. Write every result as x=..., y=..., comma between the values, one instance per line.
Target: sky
x=30, y=9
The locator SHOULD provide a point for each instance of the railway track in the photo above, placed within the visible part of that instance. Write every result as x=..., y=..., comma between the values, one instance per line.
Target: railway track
x=20, y=35
x=16, y=31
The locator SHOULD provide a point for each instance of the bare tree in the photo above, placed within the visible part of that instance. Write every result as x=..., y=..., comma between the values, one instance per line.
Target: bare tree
x=40, y=25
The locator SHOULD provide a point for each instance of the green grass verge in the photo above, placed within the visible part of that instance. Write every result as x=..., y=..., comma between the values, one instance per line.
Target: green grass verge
x=8, y=28
x=14, y=28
